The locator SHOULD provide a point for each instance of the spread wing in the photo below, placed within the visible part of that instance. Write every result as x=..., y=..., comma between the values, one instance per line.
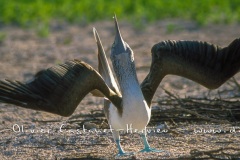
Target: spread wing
x=202, y=62
x=58, y=89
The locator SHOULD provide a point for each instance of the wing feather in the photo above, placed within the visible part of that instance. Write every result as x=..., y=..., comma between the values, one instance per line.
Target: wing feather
x=207, y=64
x=58, y=89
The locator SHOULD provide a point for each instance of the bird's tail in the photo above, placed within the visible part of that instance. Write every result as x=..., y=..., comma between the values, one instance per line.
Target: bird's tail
x=103, y=65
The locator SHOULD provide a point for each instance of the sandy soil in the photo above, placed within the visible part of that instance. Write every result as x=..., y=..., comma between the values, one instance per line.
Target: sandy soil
x=23, y=53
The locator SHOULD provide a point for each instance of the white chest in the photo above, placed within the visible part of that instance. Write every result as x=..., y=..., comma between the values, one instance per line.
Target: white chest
x=136, y=114
x=135, y=109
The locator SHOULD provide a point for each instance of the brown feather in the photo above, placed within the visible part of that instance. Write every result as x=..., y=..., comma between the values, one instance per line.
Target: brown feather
x=106, y=72
x=202, y=62
x=58, y=89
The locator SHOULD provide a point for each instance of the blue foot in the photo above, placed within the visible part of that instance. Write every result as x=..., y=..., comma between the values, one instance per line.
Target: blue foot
x=121, y=152
x=149, y=149
x=124, y=154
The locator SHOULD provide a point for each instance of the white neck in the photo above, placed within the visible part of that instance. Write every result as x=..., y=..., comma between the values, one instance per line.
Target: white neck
x=135, y=108
x=126, y=74
x=130, y=87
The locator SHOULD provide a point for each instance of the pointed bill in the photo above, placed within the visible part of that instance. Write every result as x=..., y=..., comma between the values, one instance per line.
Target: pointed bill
x=119, y=44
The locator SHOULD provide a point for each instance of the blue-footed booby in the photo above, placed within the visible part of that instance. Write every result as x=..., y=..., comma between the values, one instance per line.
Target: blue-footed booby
x=61, y=88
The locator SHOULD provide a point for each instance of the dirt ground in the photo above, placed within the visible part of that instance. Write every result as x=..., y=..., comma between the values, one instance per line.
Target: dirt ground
x=23, y=53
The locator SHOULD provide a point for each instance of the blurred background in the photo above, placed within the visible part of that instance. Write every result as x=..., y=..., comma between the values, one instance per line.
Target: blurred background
x=37, y=34
x=39, y=14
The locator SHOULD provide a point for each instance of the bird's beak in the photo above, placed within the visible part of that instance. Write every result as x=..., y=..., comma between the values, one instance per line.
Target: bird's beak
x=119, y=45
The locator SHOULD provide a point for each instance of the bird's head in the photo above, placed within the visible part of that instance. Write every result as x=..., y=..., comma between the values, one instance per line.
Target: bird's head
x=121, y=54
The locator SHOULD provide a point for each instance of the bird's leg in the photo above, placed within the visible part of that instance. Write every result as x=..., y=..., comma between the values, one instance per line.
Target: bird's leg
x=121, y=152
x=147, y=147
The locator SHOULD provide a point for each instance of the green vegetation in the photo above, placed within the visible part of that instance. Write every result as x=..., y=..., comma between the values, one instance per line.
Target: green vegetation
x=34, y=12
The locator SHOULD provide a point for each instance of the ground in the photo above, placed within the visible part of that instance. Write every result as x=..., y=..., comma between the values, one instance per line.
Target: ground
x=23, y=53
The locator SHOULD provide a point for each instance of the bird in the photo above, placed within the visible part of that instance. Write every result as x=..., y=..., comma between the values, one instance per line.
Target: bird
x=60, y=89
x=135, y=113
